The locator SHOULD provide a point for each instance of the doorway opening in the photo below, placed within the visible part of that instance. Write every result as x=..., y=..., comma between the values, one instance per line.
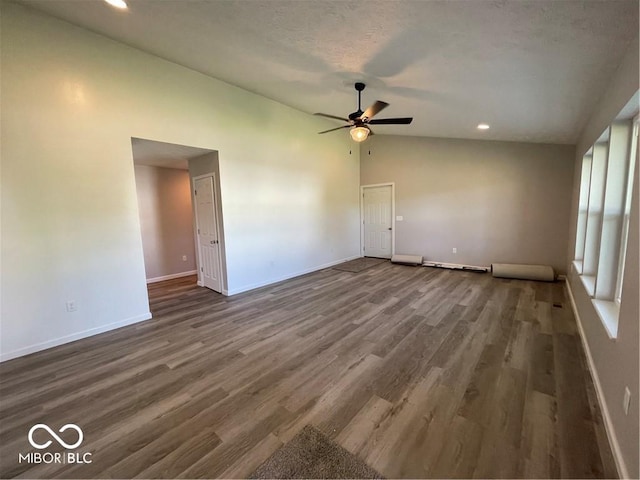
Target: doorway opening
x=171, y=218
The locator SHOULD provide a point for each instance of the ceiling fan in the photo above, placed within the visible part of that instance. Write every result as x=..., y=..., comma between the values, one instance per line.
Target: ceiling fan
x=359, y=121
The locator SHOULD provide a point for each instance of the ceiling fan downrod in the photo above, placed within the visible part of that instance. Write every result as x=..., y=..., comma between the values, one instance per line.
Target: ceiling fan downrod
x=355, y=115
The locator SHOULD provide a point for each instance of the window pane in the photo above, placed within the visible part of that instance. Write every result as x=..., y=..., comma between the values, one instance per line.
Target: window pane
x=633, y=159
x=614, y=197
x=583, y=205
x=594, y=215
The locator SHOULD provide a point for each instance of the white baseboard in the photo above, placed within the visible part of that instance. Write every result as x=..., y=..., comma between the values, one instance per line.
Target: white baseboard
x=246, y=288
x=21, y=352
x=171, y=277
x=608, y=424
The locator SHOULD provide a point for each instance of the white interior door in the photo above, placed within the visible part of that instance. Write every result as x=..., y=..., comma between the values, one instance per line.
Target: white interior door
x=377, y=210
x=208, y=238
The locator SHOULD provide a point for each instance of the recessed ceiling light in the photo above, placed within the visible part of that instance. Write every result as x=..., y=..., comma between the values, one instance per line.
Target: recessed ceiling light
x=483, y=126
x=121, y=4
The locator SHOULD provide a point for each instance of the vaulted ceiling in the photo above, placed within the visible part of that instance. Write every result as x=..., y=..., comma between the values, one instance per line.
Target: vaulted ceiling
x=532, y=69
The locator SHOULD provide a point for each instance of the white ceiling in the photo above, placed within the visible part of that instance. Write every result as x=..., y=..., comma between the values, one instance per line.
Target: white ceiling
x=532, y=69
x=164, y=155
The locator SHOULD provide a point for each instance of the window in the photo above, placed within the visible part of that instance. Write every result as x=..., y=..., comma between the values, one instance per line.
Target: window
x=581, y=230
x=604, y=209
x=633, y=158
x=594, y=216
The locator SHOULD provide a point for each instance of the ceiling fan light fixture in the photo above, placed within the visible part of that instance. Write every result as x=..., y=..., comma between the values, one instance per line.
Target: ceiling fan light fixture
x=120, y=4
x=359, y=134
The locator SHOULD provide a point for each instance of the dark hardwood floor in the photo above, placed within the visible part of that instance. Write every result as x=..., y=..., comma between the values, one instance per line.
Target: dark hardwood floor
x=420, y=372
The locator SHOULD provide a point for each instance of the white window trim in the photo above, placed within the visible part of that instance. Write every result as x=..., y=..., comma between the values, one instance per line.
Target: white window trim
x=608, y=309
x=589, y=283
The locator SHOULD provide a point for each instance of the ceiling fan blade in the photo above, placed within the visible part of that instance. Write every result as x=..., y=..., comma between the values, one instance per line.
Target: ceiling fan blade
x=392, y=121
x=373, y=109
x=334, y=129
x=331, y=116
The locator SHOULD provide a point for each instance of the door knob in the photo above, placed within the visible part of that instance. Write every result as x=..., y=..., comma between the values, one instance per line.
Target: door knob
x=389, y=228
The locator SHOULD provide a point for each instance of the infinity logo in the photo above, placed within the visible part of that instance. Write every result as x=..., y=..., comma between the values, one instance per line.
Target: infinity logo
x=53, y=434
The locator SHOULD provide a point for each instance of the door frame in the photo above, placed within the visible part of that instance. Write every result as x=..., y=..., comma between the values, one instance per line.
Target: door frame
x=218, y=208
x=393, y=214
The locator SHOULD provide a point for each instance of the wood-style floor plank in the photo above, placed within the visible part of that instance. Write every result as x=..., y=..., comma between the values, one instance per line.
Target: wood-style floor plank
x=420, y=372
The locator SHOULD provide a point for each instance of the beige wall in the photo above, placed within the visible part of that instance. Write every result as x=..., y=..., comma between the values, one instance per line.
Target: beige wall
x=494, y=202
x=71, y=102
x=166, y=221
x=614, y=362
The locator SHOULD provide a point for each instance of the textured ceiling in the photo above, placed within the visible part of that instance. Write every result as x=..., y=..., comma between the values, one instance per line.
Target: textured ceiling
x=532, y=69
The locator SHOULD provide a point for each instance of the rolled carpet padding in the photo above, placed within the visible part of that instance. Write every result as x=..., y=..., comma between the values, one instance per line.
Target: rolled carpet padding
x=407, y=259
x=523, y=272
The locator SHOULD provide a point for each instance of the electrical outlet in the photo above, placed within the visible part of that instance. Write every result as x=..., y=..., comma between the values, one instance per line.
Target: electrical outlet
x=454, y=250
x=626, y=400
x=71, y=306
x=184, y=258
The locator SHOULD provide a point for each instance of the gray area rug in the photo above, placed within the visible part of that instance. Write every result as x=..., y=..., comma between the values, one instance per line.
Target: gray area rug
x=310, y=454
x=359, y=264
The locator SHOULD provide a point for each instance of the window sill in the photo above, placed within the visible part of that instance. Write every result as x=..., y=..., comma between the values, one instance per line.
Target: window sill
x=589, y=282
x=608, y=312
